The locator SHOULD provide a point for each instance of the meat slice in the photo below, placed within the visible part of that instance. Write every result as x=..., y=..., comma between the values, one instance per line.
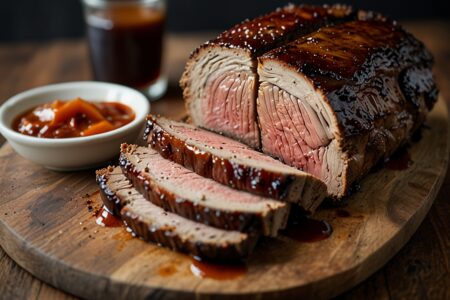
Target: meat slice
x=337, y=101
x=181, y=191
x=152, y=223
x=220, y=79
x=233, y=163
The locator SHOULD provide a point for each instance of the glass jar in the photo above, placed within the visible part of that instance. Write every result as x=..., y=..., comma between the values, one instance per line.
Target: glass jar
x=125, y=40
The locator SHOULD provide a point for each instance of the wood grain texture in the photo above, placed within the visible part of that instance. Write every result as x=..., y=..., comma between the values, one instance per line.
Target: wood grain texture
x=47, y=229
x=398, y=278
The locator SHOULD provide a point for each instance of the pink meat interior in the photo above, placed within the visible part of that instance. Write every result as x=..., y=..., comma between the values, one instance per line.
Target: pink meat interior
x=210, y=140
x=185, y=182
x=292, y=131
x=228, y=106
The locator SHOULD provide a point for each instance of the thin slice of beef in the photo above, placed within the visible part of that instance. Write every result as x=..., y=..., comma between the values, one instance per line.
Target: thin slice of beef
x=337, y=101
x=181, y=191
x=154, y=224
x=232, y=163
x=220, y=80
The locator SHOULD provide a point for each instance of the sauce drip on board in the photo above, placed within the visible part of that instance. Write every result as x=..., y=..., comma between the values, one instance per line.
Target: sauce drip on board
x=217, y=271
x=74, y=118
x=168, y=270
x=107, y=219
x=308, y=230
x=399, y=161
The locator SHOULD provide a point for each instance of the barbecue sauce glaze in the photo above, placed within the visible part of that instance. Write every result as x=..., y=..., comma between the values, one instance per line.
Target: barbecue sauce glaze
x=308, y=230
x=107, y=219
x=364, y=57
x=263, y=33
x=257, y=181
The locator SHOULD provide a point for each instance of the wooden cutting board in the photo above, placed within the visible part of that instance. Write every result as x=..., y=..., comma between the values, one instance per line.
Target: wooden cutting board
x=47, y=227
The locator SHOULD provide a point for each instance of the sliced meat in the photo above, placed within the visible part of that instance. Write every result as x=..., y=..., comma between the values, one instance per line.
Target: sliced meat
x=337, y=101
x=233, y=163
x=111, y=180
x=220, y=79
x=181, y=191
x=152, y=223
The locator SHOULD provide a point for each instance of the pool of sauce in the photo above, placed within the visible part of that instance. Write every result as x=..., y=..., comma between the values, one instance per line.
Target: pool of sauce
x=217, y=271
x=106, y=219
x=74, y=118
x=399, y=161
x=308, y=230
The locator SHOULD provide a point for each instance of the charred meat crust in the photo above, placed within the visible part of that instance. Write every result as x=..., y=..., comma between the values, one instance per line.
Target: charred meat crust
x=109, y=199
x=209, y=251
x=271, y=30
x=248, y=40
x=341, y=71
x=261, y=34
x=165, y=235
x=377, y=94
x=238, y=176
x=229, y=220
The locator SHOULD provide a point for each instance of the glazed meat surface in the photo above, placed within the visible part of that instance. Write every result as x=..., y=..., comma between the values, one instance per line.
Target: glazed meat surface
x=220, y=79
x=337, y=101
x=181, y=191
x=154, y=224
x=233, y=163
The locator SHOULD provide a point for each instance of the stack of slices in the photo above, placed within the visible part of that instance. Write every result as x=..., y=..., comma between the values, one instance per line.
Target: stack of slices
x=202, y=193
x=323, y=92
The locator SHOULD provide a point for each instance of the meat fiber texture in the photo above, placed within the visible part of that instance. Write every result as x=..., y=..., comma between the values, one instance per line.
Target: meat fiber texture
x=232, y=163
x=181, y=191
x=153, y=223
x=337, y=101
x=220, y=80
x=332, y=99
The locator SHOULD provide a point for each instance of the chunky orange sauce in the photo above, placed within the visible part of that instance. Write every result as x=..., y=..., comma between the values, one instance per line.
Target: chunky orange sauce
x=74, y=118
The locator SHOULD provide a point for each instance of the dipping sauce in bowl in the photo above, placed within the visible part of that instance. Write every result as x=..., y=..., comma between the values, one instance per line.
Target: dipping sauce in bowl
x=117, y=104
x=74, y=118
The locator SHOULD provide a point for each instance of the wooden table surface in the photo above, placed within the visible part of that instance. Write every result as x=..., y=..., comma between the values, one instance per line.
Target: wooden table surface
x=419, y=271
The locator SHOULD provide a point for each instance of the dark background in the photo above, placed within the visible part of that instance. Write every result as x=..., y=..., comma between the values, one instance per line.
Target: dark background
x=26, y=20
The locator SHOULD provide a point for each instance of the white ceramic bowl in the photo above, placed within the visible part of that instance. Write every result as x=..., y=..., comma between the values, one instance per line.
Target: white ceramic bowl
x=73, y=153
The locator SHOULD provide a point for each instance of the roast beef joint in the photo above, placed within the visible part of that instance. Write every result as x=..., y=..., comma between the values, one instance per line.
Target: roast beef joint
x=285, y=110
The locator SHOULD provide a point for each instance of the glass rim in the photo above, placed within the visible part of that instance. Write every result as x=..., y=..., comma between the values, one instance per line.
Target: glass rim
x=104, y=3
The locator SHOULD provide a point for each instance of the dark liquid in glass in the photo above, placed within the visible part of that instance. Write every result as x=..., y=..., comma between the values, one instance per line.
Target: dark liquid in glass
x=126, y=45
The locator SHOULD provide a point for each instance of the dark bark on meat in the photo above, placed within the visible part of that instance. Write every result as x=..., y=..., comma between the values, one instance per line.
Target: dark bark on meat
x=348, y=60
x=185, y=207
x=109, y=199
x=167, y=236
x=375, y=77
x=254, y=180
x=241, y=45
x=164, y=236
x=264, y=33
